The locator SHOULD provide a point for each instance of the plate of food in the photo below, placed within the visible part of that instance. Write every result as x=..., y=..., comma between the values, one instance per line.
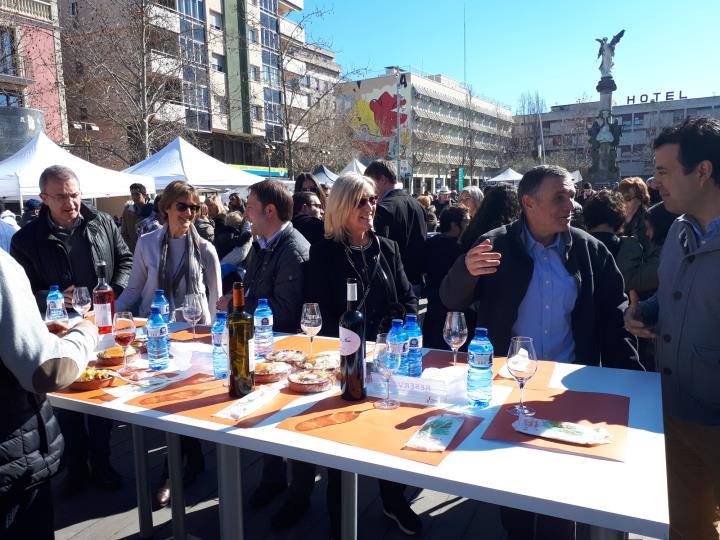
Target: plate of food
x=270, y=372
x=288, y=356
x=310, y=381
x=92, y=379
x=113, y=356
x=323, y=361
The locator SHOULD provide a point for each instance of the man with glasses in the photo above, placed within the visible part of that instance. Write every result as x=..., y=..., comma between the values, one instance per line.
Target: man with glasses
x=61, y=247
x=308, y=216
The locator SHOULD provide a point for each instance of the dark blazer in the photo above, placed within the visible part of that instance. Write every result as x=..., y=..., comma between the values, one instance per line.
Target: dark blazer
x=312, y=228
x=596, y=320
x=46, y=260
x=326, y=280
x=401, y=218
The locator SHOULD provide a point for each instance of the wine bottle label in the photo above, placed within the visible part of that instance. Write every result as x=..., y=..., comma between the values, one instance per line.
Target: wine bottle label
x=103, y=315
x=416, y=342
x=251, y=353
x=349, y=342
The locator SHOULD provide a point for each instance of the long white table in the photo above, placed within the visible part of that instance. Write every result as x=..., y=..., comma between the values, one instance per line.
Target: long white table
x=624, y=496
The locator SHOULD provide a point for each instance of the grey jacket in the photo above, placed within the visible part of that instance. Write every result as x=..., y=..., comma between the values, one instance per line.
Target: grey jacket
x=276, y=273
x=685, y=312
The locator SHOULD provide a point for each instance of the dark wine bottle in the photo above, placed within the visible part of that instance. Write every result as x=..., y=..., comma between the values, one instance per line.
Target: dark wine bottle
x=352, y=348
x=103, y=300
x=241, y=342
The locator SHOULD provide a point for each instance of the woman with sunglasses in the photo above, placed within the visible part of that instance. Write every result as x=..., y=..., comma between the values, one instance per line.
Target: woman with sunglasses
x=307, y=182
x=352, y=250
x=637, y=197
x=175, y=259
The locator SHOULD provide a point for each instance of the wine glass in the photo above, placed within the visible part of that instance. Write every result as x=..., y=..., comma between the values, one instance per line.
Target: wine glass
x=386, y=363
x=124, y=334
x=522, y=365
x=311, y=322
x=455, y=332
x=81, y=300
x=192, y=310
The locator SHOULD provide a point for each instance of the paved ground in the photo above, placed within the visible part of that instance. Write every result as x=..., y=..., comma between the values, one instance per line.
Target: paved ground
x=98, y=515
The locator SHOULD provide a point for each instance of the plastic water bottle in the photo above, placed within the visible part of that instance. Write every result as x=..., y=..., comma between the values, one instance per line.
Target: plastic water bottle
x=264, y=342
x=160, y=301
x=219, y=358
x=414, y=357
x=55, y=310
x=157, y=345
x=479, y=378
x=398, y=343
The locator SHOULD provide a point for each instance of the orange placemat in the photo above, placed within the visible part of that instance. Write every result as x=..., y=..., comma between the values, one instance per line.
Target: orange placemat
x=202, y=334
x=91, y=395
x=590, y=408
x=201, y=396
x=302, y=343
x=360, y=424
x=442, y=359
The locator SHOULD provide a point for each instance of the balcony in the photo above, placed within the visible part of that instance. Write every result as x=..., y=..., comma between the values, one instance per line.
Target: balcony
x=35, y=9
x=288, y=6
x=291, y=30
x=163, y=17
x=170, y=112
x=165, y=64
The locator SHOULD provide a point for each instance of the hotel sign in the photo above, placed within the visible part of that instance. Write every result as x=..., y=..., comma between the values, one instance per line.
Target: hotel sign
x=656, y=96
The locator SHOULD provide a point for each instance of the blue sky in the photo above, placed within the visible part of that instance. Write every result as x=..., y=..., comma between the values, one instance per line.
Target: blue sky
x=519, y=45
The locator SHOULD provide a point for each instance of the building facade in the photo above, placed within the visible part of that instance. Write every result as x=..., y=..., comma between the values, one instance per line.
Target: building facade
x=442, y=126
x=31, y=80
x=565, y=137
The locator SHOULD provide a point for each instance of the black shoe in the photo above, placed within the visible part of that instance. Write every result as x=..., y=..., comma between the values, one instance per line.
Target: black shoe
x=265, y=493
x=407, y=520
x=162, y=496
x=289, y=514
x=74, y=483
x=106, y=478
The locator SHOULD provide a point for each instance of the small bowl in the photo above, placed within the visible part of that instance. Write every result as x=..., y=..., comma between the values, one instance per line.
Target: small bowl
x=114, y=361
x=94, y=384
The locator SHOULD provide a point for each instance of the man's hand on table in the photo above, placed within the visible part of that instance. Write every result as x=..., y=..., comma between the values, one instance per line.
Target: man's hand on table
x=633, y=319
x=481, y=260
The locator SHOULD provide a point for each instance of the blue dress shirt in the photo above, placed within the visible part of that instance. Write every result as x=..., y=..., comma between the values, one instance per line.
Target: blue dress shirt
x=545, y=312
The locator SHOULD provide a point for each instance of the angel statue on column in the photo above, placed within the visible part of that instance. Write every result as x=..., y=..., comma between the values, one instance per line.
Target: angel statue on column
x=606, y=52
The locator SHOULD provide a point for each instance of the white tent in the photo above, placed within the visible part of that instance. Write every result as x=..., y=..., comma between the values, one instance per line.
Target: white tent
x=20, y=173
x=180, y=160
x=508, y=176
x=354, y=166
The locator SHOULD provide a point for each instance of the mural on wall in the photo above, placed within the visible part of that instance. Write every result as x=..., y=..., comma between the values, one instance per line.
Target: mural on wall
x=372, y=106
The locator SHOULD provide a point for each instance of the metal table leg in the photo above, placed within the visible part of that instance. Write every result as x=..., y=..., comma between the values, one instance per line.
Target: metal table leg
x=601, y=533
x=230, y=492
x=348, y=513
x=142, y=482
x=177, y=495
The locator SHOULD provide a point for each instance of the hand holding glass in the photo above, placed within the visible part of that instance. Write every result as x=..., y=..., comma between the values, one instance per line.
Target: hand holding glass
x=386, y=363
x=522, y=365
x=192, y=310
x=455, y=332
x=124, y=334
x=81, y=300
x=311, y=322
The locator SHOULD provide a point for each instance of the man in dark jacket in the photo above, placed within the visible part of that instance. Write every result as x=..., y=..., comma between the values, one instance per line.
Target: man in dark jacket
x=32, y=363
x=62, y=247
x=399, y=217
x=308, y=216
x=541, y=278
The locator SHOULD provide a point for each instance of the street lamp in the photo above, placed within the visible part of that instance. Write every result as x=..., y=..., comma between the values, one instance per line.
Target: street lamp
x=85, y=127
x=269, y=147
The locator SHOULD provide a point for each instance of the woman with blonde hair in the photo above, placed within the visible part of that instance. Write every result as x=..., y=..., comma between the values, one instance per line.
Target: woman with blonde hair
x=352, y=250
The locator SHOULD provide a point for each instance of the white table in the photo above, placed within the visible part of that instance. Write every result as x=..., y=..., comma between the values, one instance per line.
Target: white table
x=625, y=496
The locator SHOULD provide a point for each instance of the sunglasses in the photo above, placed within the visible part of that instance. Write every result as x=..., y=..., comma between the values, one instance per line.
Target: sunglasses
x=181, y=207
x=372, y=200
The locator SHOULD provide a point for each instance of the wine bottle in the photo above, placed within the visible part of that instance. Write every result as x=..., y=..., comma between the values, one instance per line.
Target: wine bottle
x=352, y=348
x=103, y=300
x=241, y=350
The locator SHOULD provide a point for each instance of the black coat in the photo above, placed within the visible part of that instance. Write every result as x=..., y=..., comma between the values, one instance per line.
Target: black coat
x=326, y=283
x=596, y=320
x=312, y=228
x=401, y=218
x=46, y=260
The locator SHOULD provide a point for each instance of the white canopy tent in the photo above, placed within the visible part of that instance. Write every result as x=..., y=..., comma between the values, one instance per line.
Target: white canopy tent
x=20, y=173
x=508, y=176
x=354, y=166
x=180, y=160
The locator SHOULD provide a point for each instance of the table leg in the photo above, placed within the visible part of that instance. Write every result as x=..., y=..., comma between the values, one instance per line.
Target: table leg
x=142, y=482
x=177, y=494
x=601, y=533
x=230, y=492
x=348, y=513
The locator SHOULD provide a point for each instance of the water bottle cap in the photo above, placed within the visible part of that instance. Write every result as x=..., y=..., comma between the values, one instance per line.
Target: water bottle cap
x=160, y=292
x=54, y=288
x=262, y=301
x=411, y=317
x=220, y=315
x=481, y=332
x=397, y=323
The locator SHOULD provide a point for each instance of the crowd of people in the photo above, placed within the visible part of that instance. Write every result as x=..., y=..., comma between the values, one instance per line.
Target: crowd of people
x=625, y=270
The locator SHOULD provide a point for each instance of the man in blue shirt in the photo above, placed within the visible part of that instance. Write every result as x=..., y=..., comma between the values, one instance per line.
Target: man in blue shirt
x=541, y=278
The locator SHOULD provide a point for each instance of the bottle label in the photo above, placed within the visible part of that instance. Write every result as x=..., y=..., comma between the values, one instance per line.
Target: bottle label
x=263, y=321
x=482, y=360
x=251, y=353
x=103, y=315
x=416, y=342
x=157, y=331
x=349, y=342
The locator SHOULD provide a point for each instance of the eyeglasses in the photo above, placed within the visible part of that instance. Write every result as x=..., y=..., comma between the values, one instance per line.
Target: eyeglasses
x=181, y=207
x=62, y=197
x=365, y=200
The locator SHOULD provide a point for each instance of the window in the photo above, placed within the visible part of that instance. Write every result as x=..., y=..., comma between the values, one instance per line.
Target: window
x=252, y=35
x=83, y=113
x=192, y=8
x=221, y=104
x=217, y=61
x=257, y=113
x=255, y=73
x=8, y=64
x=73, y=9
x=216, y=20
x=10, y=99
